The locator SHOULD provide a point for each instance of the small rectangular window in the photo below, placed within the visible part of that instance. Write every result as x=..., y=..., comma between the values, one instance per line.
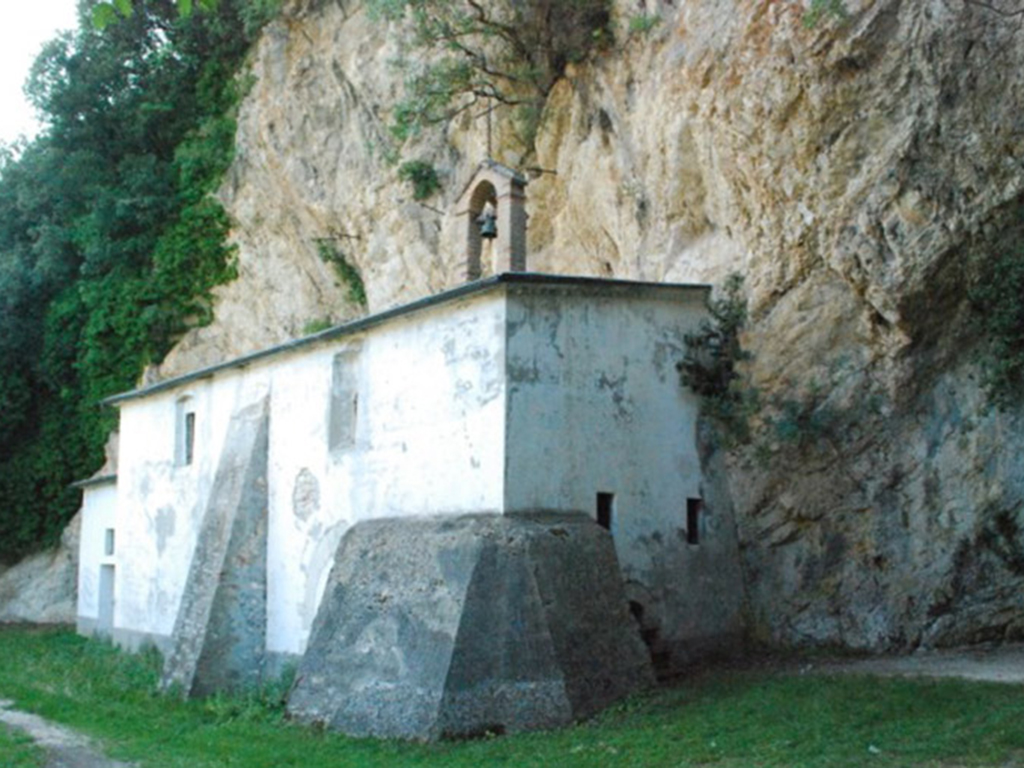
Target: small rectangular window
x=108, y=542
x=184, y=431
x=694, y=508
x=190, y=436
x=605, y=509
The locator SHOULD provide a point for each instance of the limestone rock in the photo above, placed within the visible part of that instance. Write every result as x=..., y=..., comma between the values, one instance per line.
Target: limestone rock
x=854, y=171
x=43, y=588
x=455, y=626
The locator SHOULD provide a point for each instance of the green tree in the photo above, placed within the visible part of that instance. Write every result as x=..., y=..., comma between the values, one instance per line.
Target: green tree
x=710, y=367
x=504, y=52
x=110, y=241
x=106, y=13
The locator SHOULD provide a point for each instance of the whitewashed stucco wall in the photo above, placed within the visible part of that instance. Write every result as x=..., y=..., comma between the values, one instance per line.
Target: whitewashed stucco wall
x=161, y=502
x=428, y=439
x=595, y=405
x=511, y=398
x=98, y=506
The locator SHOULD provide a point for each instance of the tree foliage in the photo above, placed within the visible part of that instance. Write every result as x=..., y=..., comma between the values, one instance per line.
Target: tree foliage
x=709, y=368
x=422, y=176
x=109, y=239
x=504, y=52
x=997, y=296
x=107, y=12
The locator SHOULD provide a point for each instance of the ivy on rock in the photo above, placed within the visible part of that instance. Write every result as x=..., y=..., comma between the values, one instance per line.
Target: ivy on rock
x=110, y=239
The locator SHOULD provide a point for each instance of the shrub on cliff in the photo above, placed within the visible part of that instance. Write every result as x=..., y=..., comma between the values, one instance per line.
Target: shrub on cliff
x=500, y=53
x=998, y=299
x=710, y=366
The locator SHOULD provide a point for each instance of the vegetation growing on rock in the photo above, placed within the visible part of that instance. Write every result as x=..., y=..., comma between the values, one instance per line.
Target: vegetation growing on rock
x=710, y=366
x=110, y=242
x=504, y=53
x=330, y=254
x=998, y=299
x=422, y=176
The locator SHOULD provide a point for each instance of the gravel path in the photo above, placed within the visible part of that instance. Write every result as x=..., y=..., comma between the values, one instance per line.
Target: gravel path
x=997, y=664
x=64, y=747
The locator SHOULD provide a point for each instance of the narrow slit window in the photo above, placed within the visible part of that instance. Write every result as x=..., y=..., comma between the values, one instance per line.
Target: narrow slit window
x=190, y=436
x=108, y=542
x=605, y=509
x=184, y=432
x=694, y=511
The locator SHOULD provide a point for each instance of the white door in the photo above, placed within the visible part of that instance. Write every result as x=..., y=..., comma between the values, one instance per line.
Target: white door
x=105, y=621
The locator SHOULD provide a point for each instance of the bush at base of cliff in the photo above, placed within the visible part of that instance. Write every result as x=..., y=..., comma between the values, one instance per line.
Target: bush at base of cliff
x=998, y=300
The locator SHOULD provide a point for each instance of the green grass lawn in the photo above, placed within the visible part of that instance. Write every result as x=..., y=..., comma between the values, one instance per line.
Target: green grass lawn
x=721, y=718
x=17, y=751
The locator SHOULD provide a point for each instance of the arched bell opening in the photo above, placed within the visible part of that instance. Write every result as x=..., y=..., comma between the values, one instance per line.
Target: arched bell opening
x=493, y=205
x=481, y=227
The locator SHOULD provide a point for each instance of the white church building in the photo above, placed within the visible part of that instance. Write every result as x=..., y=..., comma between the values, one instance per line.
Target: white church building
x=510, y=395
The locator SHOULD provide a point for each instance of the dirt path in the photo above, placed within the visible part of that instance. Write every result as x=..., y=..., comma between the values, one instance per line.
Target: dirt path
x=999, y=664
x=64, y=748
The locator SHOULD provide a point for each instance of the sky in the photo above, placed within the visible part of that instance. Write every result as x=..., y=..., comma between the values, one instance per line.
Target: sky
x=26, y=25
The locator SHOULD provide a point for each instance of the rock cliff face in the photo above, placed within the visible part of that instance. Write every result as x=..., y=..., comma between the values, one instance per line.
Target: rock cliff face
x=855, y=172
x=42, y=588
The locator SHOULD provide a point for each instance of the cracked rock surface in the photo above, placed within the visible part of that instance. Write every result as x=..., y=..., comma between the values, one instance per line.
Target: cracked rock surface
x=856, y=172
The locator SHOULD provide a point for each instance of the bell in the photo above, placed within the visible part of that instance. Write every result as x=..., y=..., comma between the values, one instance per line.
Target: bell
x=488, y=225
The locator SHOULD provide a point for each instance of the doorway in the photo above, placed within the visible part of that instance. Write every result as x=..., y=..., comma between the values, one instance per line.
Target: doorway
x=105, y=620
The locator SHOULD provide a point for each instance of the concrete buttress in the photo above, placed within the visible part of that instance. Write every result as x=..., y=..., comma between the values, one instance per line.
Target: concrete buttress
x=453, y=626
x=220, y=631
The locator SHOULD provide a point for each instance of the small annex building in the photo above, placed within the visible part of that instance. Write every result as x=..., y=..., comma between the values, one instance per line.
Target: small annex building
x=479, y=511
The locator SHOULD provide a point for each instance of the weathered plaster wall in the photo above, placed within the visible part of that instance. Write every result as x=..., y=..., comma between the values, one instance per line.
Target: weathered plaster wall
x=417, y=449
x=160, y=505
x=428, y=439
x=594, y=394
x=97, y=517
x=516, y=398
